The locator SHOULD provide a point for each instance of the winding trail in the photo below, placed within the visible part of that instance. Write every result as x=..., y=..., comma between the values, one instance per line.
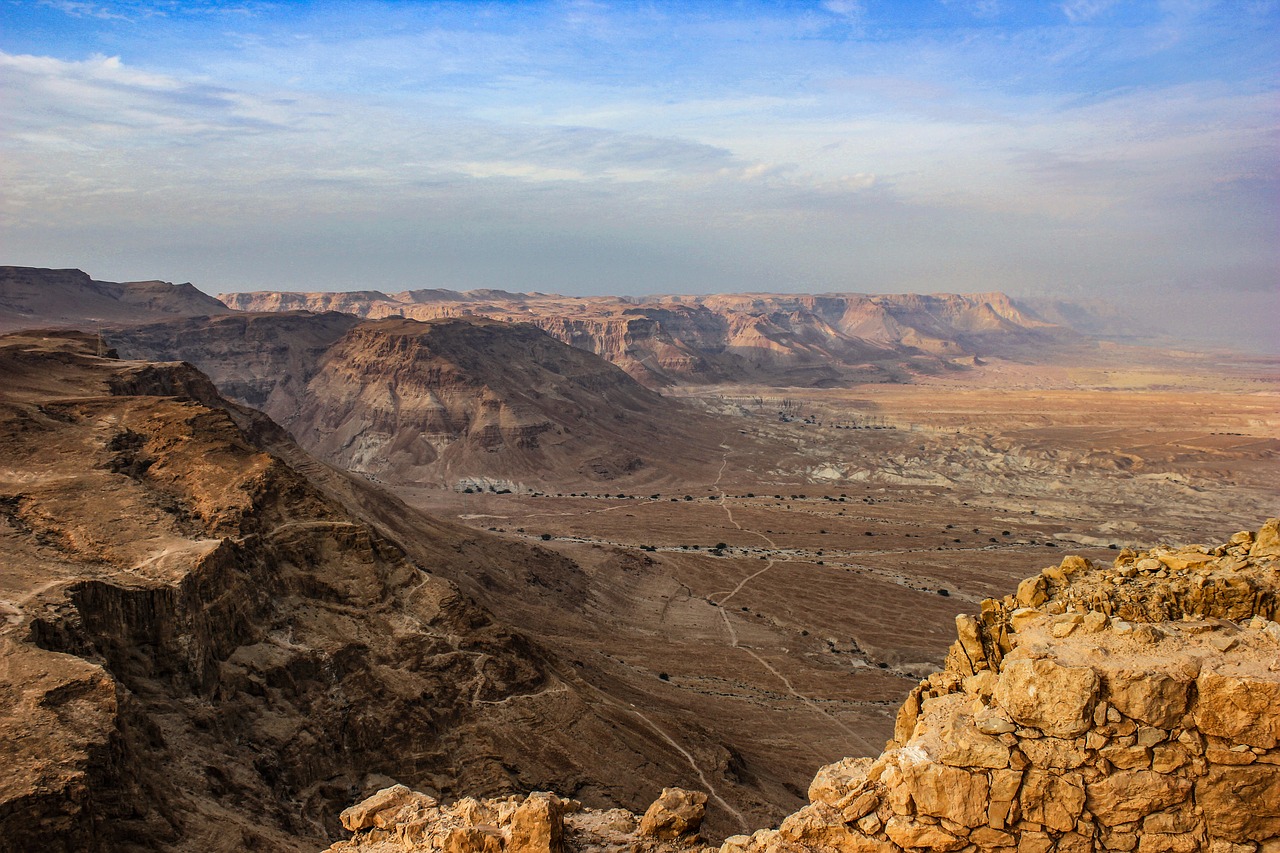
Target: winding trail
x=733, y=634
x=628, y=708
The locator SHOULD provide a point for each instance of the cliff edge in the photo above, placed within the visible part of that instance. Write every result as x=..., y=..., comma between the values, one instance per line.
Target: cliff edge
x=1131, y=707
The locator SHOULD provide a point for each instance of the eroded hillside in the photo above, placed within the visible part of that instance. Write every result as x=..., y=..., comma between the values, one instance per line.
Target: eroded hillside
x=445, y=402
x=205, y=649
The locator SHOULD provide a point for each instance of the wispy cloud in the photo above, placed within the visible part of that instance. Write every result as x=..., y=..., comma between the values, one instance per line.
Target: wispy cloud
x=599, y=144
x=1079, y=11
x=852, y=9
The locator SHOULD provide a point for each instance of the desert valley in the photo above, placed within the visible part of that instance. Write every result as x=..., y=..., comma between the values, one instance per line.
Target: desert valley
x=268, y=554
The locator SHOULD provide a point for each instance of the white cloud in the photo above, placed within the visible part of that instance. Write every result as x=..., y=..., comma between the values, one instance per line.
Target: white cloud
x=1080, y=11
x=852, y=9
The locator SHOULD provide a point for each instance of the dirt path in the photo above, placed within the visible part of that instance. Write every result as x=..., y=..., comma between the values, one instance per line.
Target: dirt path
x=733, y=634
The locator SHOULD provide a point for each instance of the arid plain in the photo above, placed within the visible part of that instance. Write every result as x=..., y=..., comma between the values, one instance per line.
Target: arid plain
x=856, y=523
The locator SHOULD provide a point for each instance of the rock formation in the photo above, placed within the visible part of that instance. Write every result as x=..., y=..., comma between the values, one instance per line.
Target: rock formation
x=442, y=402
x=410, y=401
x=1133, y=707
x=779, y=339
x=207, y=642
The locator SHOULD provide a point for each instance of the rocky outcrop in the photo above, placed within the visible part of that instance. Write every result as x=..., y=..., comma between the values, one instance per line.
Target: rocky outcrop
x=396, y=820
x=1129, y=707
x=1132, y=707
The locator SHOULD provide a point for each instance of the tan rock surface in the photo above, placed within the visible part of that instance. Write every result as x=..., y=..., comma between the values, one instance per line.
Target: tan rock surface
x=677, y=813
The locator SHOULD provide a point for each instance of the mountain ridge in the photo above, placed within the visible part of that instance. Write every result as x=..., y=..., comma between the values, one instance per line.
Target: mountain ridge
x=795, y=339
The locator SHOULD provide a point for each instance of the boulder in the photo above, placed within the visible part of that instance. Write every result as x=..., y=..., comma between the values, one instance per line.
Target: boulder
x=910, y=835
x=819, y=826
x=1155, y=698
x=1243, y=708
x=385, y=809
x=1241, y=803
x=1045, y=695
x=954, y=793
x=1052, y=799
x=1130, y=795
x=676, y=813
x=1267, y=541
x=834, y=782
x=537, y=826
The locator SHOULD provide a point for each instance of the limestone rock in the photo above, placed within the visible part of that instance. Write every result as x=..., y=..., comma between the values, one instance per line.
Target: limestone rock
x=1239, y=706
x=1267, y=541
x=537, y=826
x=1131, y=795
x=1045, y=695
x=834, y=782
x=386, y=808
x=1052, y=799
x=910, y=835
x=956, y=794
x=676, y=813
x=1156, y=698
x=1241, y=803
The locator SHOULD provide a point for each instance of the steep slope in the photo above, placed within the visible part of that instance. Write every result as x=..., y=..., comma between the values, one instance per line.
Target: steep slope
x=262, y=360
x=203, y=649
x=1124, y=708
x=448, y=400
x=781, y=339
x=43, y=298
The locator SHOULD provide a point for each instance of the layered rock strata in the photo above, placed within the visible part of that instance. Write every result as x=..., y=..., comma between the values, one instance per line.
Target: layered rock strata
x=1132, y=707
x=444, y=402
x=782, y=339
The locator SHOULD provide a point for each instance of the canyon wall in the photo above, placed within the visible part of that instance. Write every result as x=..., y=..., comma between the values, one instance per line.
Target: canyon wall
x=781, y=339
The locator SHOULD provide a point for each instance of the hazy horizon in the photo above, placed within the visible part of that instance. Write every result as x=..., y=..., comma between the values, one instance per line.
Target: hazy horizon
x=1084, y=150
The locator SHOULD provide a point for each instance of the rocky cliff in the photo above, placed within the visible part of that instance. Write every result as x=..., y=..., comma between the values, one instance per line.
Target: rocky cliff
x=446, y=401
x=780, y=339
x=207, y=643
x=1131, y=707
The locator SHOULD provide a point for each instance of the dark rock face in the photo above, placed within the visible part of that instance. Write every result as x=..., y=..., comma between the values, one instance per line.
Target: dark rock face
x=44, y=298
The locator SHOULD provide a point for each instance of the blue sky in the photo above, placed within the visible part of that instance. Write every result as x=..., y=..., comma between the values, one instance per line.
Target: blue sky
x=1086, y=148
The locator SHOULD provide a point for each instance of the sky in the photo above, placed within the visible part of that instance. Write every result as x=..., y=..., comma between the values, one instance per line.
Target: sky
x=1079, y=149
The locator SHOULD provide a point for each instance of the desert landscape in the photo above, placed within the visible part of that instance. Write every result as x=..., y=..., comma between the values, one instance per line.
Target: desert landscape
x=476, y=557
